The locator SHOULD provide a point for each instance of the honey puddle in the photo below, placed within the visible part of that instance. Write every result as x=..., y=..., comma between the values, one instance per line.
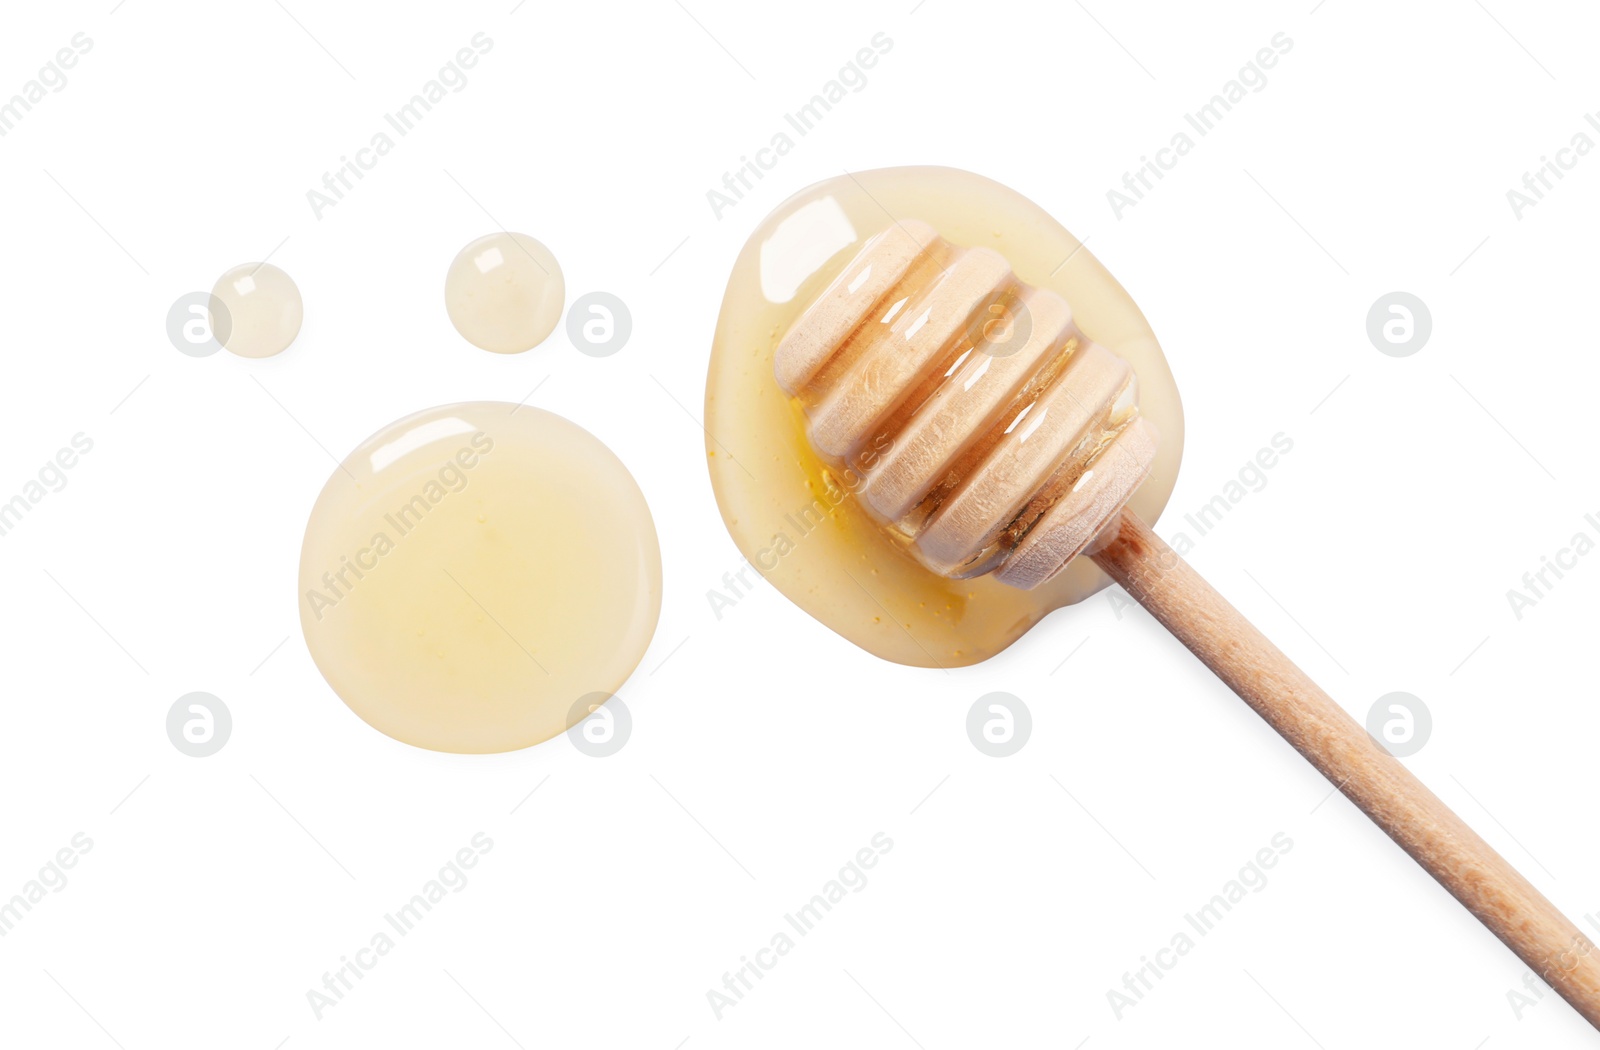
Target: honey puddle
x=475, y=577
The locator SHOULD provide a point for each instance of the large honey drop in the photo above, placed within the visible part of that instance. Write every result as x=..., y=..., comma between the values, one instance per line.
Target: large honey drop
x=474, y=574
x=794, y=517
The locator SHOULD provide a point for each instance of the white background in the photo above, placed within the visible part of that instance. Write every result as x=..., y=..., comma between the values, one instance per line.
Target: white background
x=766, y=751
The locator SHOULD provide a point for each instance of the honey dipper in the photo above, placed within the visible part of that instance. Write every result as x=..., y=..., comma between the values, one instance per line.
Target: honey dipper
x=993, y=436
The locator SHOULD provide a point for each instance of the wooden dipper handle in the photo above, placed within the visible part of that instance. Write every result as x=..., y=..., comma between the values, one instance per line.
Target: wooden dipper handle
x=1342, y=751
x=1010, y=454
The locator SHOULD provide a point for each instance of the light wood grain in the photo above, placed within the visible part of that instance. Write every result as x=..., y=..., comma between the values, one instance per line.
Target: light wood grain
x=1343, y=752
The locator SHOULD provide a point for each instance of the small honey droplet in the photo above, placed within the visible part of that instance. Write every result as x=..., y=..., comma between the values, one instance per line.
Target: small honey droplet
x=264, y=309
x=505, y=292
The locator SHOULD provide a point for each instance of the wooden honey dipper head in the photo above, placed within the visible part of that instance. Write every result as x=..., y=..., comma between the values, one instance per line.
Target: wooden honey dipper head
x=989, y=433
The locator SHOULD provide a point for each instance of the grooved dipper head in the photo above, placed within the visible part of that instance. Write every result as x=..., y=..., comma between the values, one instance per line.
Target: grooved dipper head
x=990, y=433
